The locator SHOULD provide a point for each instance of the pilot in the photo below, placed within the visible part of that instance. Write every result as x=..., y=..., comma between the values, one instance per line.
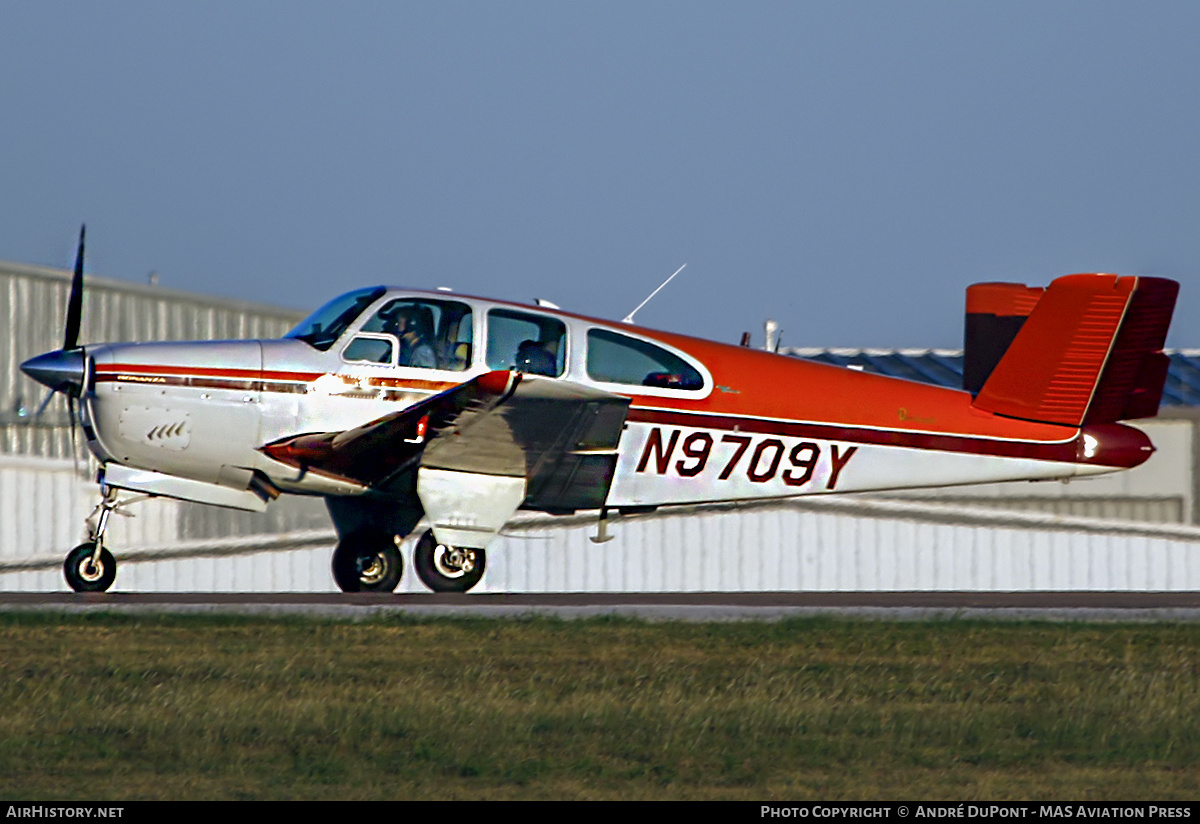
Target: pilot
x=415, y=348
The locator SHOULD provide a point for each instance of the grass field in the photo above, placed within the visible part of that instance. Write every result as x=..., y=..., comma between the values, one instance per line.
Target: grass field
x=102, y=707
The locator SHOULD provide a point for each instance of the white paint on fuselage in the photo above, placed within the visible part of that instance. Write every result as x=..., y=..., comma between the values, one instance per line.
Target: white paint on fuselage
x=674, y=469
x=222, y=423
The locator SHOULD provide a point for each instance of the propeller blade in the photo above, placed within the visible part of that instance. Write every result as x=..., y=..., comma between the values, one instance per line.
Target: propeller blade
x=74, y=442
x=75, y=301
x=42, y=407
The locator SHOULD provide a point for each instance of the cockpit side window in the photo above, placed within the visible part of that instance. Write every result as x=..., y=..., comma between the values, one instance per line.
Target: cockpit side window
x=323, y=327
x=371, y=349
x=616, y=358
x=529, y=343
x=432, y=334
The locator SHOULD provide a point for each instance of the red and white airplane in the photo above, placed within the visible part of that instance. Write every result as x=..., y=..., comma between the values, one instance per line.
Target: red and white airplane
x=406, y=408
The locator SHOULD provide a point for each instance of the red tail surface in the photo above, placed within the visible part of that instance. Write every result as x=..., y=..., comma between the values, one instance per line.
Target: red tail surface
x=1089, y=352
x=995, y=314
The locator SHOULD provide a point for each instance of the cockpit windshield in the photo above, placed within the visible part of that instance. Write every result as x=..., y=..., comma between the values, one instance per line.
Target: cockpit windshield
x=324, y=326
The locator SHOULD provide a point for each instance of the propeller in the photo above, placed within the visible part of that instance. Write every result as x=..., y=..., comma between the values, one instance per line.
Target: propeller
x=71, y=333
x=75, y=301
x=65, y=370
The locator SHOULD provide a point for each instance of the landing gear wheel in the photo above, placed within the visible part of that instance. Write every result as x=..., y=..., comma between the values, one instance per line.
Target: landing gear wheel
x=445, y=568
x=86, y=575
x=367, y=561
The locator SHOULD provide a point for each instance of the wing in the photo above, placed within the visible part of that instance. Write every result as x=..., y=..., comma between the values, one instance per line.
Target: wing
x=481, y=450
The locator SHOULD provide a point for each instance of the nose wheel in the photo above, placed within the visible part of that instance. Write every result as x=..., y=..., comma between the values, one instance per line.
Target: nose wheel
x=90, y=568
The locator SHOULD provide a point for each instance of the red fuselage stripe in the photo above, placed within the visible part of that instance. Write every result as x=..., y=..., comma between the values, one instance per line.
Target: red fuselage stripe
x=202, y=371
x=1042, y=451
x=243, y=379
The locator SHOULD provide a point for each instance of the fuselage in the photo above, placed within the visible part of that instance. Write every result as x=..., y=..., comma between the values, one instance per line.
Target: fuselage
x=707, y=421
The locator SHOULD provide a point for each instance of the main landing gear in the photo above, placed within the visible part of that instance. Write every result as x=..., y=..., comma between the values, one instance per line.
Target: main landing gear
x=369, y=560
x=90, y=567
x=445, y=568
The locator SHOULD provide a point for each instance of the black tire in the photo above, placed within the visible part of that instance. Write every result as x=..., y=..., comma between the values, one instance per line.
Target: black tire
x=447, y=569
x=367, y=561
x=84, y=576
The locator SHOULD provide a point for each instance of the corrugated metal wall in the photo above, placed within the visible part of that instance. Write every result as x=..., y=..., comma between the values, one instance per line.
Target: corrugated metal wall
x=1158, y=510
x=851, y=543
x=815, y=544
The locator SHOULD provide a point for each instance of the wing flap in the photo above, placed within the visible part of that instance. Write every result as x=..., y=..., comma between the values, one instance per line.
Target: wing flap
x=468, y=508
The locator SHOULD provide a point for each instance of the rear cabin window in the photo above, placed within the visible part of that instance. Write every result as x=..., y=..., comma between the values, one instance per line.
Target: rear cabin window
x=534, y=344
x=616, y=358
x=429, y=334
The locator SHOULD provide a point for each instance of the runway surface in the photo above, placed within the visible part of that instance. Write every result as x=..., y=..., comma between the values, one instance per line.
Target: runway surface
x=704, y=606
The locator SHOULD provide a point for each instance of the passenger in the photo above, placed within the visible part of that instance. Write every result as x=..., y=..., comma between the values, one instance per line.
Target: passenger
x=534, y=359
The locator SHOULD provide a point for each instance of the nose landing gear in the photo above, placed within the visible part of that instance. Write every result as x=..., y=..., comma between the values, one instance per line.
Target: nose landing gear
x=90, y=567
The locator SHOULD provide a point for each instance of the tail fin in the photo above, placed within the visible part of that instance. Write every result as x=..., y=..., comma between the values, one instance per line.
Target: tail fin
x=1089, y=352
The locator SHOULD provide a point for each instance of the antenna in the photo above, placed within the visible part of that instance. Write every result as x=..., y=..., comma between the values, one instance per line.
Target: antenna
x=629, y=318
x=773, y=336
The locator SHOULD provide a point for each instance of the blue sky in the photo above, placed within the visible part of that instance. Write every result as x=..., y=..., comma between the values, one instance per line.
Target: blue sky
x=846, y=168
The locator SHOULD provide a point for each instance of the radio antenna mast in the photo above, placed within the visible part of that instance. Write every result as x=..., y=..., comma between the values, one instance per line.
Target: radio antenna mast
x=629, y=318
